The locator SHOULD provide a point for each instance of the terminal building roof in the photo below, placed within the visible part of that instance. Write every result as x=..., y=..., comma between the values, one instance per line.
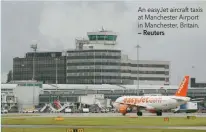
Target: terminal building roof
x=97, y=87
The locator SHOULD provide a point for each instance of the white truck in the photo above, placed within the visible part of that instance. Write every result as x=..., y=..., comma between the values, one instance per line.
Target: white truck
x=189, y=107
x=68, y=110
x=30, y=110
x=85, y=110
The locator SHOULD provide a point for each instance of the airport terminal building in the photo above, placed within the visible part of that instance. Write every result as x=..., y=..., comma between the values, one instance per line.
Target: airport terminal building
x=26, y=94
x=45, y=67
x=95, y=60
x=95, y=71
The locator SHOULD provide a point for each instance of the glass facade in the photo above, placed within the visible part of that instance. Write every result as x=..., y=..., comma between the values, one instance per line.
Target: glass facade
x=193, y=83
x=87, y=67
x=45, y=67
x=102, y=37
x=147, y=65
x=91, y=67
x=44, y=98
x=113, y=94
x=155, y=73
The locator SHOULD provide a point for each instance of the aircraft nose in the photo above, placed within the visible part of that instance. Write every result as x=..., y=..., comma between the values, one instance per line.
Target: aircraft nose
x=114, y=104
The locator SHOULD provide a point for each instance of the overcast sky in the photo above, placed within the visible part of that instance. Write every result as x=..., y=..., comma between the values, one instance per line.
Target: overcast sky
x=56, y=24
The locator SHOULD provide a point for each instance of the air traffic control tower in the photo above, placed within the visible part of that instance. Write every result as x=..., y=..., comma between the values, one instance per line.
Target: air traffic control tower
x=98, y=40
x=95, y=60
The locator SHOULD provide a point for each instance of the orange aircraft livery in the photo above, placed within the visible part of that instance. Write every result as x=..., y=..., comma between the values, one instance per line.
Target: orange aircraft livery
x=154, y=103
x=137, y=100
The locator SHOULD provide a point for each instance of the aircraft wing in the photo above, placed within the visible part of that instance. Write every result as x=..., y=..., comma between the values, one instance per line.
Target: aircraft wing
x=179, y=100
x=192, y=100
x=142, y=106
x=197, y=100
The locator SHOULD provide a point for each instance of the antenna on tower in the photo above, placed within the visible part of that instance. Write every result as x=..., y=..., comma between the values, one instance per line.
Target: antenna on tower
x=102, y=28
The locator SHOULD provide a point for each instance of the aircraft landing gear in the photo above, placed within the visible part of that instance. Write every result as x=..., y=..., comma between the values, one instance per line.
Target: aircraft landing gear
x=159, y=113
x=123, y=114
x=139, y=113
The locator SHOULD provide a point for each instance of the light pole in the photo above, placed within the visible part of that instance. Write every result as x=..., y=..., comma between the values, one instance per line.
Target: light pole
x=56, y=71
x=193, y=68
x=94, y=67
x=137, y=46
x=34, y=47
x=22, y=66
x=12, y=75
x=101, y=67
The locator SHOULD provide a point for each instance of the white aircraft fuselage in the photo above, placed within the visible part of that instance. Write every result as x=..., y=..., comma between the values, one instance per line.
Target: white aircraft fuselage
x=154, y=104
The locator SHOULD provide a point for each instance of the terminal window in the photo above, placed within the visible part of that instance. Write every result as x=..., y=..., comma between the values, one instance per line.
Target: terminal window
x=102, y=37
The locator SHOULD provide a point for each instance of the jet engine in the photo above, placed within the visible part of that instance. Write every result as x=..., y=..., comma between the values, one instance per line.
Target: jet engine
x=124, y=109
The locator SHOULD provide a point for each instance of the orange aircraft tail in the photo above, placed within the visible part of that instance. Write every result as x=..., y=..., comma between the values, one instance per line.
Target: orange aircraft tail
x=57, y=104
x=183, y=88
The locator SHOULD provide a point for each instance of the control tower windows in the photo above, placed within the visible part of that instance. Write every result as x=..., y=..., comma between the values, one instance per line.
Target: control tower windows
x=102, y=37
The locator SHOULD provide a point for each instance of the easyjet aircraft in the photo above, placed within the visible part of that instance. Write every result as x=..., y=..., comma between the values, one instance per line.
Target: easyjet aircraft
x=153, y=104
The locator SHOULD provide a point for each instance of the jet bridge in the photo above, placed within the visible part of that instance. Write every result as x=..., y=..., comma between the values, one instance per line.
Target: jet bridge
x=95, y=101
x=43, y=108
x=61, y=108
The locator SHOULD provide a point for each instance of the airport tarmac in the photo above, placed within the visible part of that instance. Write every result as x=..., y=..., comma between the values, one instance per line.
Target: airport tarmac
x=32, y=115
x=17, y=115
x=127, y=126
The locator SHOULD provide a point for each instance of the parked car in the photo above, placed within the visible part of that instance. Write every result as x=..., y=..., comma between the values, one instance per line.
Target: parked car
x=68, y=110
x=4, y=111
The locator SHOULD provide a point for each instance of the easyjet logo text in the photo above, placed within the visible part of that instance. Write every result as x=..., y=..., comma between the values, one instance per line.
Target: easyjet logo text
x=142, y=100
